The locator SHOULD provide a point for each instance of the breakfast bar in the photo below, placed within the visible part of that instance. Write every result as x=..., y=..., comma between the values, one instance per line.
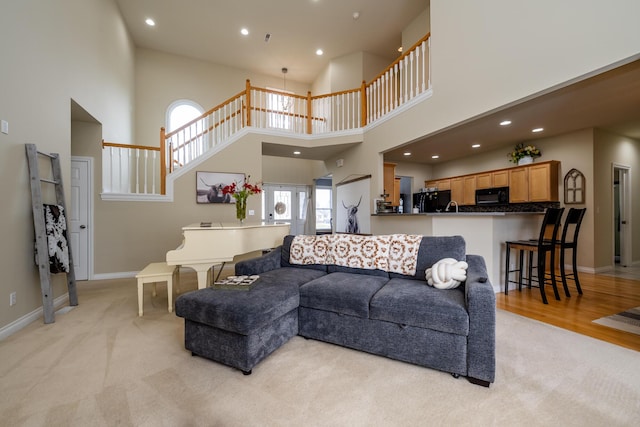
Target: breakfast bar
x=484, y=232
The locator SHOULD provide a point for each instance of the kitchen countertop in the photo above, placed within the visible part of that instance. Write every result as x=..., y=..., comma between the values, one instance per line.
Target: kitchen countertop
x=457, y=214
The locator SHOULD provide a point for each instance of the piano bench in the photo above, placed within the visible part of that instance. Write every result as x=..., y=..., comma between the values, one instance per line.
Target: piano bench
x=157, y=272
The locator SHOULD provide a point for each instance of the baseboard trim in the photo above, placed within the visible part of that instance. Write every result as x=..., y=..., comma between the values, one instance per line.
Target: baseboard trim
x=20, y=323
x=118, y=275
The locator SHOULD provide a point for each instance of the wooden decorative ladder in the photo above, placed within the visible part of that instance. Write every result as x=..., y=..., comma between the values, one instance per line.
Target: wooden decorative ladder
x=42, y=247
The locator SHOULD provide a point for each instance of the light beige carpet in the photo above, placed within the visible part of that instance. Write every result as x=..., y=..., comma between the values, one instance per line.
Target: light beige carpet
x=101, y=365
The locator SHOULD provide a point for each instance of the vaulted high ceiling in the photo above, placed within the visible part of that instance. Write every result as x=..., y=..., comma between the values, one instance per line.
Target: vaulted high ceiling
x=210, y=30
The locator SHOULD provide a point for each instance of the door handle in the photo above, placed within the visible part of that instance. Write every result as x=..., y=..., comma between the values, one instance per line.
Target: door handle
x=82, y=227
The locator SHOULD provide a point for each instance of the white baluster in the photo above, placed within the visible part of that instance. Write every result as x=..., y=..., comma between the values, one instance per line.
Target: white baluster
x=424, y=65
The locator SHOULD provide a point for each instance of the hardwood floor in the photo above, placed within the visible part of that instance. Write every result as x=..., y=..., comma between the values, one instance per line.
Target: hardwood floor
x=603, y=295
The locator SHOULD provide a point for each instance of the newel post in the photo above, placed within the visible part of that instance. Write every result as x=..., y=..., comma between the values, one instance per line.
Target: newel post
x=363, y=104
x=309, y=122
x=248, y=96
x=163, y=162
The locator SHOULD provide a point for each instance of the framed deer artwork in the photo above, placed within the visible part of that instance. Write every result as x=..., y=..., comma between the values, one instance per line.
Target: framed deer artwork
x=209, y=186
x=353, y=210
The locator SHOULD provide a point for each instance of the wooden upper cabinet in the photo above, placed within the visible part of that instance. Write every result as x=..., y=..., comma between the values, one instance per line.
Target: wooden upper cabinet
x=492, y=179
x=484, y=180
x=463, y=190
x=500, y=178
x=537, y=182
x=469, y=190
x=457, y=189
x=543, y=182
x=443, y=184
x=534, y=183
x=519, y=185
x=391, y=184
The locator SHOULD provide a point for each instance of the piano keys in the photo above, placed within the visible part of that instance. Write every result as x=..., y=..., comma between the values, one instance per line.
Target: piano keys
x=217, y=243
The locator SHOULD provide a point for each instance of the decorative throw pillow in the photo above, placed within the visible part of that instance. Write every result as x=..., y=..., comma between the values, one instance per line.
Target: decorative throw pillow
x=447, y=273
x=307, y=250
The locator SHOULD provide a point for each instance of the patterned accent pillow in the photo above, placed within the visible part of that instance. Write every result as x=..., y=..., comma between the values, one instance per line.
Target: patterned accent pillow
x=306, y=250
x=403, y=253
x=355, y=251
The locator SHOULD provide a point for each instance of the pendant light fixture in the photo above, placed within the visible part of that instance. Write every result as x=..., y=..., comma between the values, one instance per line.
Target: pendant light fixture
x=286, y=100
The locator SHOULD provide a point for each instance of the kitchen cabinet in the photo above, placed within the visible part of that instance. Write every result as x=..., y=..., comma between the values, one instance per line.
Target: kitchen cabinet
x=500, y=178
x=494, y=179
x=391, y=187
x=537, y=182
x=457, y=190
x=463, y=190
x=534, y=183
x=543, y=182
x=443, y=184
x=519, y=185
x=484, y=180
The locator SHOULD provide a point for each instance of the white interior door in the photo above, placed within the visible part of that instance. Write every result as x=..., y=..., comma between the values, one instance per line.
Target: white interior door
x=79, y=214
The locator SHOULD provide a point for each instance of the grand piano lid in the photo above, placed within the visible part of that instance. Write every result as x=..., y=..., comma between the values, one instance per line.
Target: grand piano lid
x=232, y=225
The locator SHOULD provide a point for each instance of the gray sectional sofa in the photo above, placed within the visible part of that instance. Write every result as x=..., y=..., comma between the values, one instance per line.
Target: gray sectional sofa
x=376, y=310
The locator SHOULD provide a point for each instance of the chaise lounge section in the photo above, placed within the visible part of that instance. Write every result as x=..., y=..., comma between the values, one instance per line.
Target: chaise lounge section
x=363, y=292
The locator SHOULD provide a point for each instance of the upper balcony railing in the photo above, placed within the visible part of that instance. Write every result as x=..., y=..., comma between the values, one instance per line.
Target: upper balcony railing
x=403, y=80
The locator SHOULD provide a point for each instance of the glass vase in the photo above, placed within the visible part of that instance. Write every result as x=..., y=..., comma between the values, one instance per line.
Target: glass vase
x=241, y=209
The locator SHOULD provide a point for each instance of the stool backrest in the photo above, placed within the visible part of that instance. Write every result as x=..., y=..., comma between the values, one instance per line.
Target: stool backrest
x=550, y=227
x=573, y=219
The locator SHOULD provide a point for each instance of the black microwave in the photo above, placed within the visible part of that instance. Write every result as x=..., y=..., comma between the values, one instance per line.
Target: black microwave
x=492, y=196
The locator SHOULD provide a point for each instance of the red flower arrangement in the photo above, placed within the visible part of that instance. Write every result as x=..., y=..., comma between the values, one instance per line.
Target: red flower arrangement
x=240, y=193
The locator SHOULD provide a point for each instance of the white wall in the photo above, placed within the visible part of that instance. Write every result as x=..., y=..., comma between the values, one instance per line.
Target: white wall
x=53, y=52
x=162, y=78
x=610, y=148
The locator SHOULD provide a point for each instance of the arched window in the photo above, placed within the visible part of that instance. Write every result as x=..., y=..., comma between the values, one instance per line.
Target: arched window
x=190, y=142
x=181, y=112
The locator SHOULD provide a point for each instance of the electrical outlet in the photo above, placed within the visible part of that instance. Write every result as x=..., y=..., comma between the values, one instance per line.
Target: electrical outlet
x=12, y=298
x=252, y=212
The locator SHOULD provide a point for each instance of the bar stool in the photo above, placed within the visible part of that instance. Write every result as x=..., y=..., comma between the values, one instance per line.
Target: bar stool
x=573, y=220
x=544, y=245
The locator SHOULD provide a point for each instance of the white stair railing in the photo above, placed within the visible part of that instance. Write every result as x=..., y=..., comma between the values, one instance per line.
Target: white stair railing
x=142, y=170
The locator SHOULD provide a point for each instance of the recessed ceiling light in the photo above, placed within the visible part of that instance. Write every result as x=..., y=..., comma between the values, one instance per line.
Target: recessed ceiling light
x=407, y=153
x=537, y=130
x=505, y=123
x=435, y=156
x=150, y=22
x=244, y=32
x=475, y=146
x=296, y=153
x=319, y=52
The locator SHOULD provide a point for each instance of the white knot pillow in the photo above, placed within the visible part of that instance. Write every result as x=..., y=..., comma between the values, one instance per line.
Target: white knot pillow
x=447, y=273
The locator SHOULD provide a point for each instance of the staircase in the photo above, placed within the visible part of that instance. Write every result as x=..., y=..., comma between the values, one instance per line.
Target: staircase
x=143, y=170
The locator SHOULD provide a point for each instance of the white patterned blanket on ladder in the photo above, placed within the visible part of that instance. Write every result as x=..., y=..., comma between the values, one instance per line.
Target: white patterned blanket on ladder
x=56, y=229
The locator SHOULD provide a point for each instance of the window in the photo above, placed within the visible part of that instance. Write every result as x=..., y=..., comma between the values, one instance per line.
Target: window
x=323, y=208
x=190, y=140
x=181, y=112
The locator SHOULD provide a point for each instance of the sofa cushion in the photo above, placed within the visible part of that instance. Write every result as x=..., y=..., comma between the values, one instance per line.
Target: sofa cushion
x=344, y=293
x=286, y=255
x=273, y=295
x=432, y=249
x=410, y=302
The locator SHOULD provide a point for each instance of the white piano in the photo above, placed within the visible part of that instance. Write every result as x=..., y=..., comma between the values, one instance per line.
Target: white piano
x=204, y=246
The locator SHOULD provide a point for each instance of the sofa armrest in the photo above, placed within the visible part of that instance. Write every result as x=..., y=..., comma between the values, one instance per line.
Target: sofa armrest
x=481, y=305
x=261, y=264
